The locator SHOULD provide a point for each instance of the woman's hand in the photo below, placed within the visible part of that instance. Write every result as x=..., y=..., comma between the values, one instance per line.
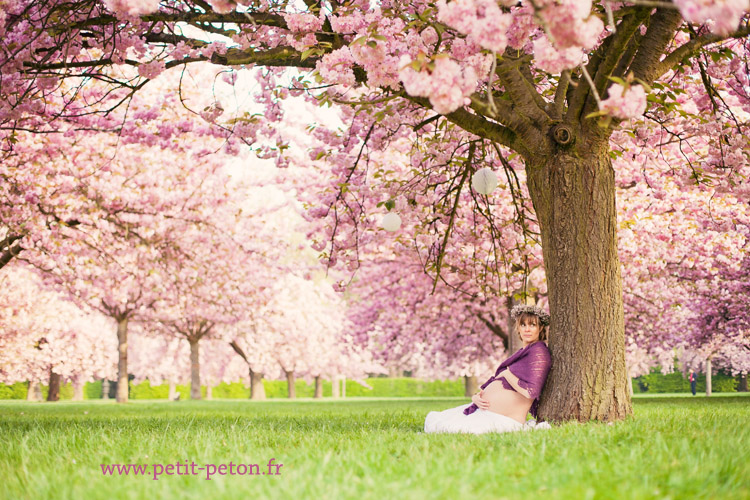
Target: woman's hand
x=478, y=399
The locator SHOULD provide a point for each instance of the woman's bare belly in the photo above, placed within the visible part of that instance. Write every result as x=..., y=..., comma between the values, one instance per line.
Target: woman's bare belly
x=506, y=402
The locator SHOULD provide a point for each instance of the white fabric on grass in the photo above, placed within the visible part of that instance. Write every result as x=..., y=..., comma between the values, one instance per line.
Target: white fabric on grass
x=453, y=420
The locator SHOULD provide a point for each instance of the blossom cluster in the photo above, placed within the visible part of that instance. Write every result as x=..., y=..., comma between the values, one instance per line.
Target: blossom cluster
x=482, y=20
x=722, y=16
x=625, y=103
x=447, y=86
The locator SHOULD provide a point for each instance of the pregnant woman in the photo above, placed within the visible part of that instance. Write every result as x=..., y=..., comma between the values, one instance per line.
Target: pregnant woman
x=514, y=390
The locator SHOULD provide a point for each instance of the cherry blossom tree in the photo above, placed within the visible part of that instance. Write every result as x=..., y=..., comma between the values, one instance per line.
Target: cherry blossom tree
x=48, y=338
x=468, y=83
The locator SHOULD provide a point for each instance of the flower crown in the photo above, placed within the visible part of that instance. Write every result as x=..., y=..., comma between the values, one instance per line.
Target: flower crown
x=529, y=309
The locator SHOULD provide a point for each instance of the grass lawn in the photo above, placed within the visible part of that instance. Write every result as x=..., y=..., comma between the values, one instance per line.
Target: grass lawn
x=673, y=447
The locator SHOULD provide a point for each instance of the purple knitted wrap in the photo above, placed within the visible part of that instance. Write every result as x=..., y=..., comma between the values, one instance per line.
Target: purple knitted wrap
x=531, y=365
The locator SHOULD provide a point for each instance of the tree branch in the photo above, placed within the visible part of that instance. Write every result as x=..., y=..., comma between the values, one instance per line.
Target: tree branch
x=474, y=124
x=660, y=31
x=8, y=254
x=280, y=56
x=496, y=329
x=689, y=48
x=522, y=92
x=604, y=61
x=469, y=158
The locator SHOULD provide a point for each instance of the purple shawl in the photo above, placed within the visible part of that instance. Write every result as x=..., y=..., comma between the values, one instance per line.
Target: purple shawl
x=531, y=365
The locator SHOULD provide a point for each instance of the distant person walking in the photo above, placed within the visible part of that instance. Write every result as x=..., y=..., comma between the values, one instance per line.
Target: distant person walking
x=691, y=378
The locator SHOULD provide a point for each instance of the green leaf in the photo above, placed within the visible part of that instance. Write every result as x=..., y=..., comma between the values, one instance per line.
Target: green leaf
x=308, y=53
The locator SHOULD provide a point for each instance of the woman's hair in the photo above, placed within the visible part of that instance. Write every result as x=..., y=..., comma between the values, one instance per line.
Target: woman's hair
x=534, y=319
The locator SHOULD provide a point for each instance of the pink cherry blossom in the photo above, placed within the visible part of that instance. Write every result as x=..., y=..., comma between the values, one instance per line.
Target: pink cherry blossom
x=625, y=103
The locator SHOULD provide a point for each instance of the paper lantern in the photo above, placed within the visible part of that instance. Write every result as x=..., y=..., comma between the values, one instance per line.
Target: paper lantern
x=484, y=181
x=391, y=222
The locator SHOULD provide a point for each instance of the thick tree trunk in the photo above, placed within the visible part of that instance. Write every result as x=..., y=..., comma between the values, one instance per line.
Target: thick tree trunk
x=54, y=386
x=290, y=389
x=105, y=388
x=318, y=387
x=34, y=392
x=257, y=390
x=78, y=384
x=335, y=392
x=742, y=386
x=708, y=377
x=122, y=363
x=574, y=199
x=471, y=385
x=195, y=370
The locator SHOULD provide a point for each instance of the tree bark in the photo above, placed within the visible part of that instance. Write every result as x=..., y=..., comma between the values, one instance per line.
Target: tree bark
x=708, y=378
x=195, y=369
x=290, y=389
x=471, y=385
x=573, y=192
x=335, y=392
x=742, y=386
x=78, y=384
x=318, y=387
x=514, y=340
x=105, y=388
x=257, y=390
x=34, y=392
x=122, y=362
x=54, y=386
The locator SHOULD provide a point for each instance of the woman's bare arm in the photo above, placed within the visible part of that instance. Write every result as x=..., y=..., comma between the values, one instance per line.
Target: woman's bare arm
x=513, y=381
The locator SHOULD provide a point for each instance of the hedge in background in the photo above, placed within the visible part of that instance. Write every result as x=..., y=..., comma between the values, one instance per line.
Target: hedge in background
x=656, y=382
x=381, y=387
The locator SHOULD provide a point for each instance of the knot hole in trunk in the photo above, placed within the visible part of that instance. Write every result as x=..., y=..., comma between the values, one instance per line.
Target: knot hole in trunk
x=562, y=134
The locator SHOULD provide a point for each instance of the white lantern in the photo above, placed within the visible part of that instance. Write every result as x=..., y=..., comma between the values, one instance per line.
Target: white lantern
x=391, y=222
x=484, y=181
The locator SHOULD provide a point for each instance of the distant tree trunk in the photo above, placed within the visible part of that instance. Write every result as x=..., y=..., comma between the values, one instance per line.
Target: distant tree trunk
x=54, y=386
x=209, y=392
x=34, y=392
x=195, y=370
x=78, y=384
x=471, y=385
x=335, y=393
x=290, y=389
x=105, y=388
x=318, y=387
x=393, y=372
x=257, y=390
x=343, y=387
x=514, y=341
x=742, y=386
x=172, y=391
x=708, y=377
x=122, y=363
x=573, y=191
x=630, y=386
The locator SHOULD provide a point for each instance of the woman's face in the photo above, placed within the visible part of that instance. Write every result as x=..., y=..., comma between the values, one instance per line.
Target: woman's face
x=529, y=330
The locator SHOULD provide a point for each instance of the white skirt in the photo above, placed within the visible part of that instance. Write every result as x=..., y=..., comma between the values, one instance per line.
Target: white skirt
x=479, y=422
